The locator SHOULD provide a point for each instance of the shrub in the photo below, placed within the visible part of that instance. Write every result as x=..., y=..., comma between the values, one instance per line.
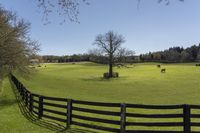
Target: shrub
x=106, y=75
x=115, y=75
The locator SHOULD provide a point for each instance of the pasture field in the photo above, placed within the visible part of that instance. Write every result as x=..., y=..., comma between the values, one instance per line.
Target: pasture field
x=138, y=84
x=141, y=83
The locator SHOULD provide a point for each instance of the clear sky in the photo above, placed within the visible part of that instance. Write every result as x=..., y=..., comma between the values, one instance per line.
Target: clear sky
x=151, y=27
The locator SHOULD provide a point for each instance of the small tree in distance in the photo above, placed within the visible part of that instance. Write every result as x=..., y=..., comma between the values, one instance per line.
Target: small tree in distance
x=109, y=42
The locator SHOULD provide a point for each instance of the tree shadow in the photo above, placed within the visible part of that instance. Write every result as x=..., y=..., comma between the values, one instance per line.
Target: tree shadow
x=51, y=125
x=6, y=103
x=92, y=64
x=93, y=78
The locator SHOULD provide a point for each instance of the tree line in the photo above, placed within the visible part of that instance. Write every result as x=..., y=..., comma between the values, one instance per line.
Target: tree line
x=64, y=58
x=84, y=57
x=173, y=55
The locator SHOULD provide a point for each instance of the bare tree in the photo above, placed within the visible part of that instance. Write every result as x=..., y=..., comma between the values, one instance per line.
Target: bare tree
x=123, y=53
x=69, y=9
x=167, y=2
x=95, y=52
x=109, y=42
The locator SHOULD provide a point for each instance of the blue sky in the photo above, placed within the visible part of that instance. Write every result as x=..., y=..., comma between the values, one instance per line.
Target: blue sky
x=151, y=27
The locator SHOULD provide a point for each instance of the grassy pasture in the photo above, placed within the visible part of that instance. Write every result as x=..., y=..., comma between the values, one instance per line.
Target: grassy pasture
x=142, y=83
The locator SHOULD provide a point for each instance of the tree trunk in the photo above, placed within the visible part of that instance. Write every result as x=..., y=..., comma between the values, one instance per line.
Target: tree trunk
x=110, y=66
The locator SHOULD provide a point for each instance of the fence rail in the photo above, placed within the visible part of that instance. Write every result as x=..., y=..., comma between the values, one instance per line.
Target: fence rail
x=118, y=115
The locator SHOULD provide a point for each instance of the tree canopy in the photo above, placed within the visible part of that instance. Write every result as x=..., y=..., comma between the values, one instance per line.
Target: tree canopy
x=15, y=44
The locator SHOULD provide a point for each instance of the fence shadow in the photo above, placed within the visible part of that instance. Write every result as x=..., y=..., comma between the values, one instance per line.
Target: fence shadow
x=6, y=103
x=51, y=125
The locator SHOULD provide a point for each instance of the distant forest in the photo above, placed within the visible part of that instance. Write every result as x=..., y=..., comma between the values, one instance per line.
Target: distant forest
x=174, y=54
x=171, y=55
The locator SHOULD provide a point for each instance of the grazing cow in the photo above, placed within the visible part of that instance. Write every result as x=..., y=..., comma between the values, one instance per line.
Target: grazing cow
x=158, y=66
x=163, y=70
x=197, y=64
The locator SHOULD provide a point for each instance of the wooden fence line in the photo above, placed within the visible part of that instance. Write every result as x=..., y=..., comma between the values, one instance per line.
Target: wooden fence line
x=70, y=105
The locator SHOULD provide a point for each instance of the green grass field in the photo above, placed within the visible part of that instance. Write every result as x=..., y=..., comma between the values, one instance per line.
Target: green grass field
x=11, y=118
x=142, y=83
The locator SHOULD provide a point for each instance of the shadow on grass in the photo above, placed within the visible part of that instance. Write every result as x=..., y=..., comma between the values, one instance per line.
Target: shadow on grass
x=6, y=102
x=91, y=64
x=93, y=78
x=51, y=125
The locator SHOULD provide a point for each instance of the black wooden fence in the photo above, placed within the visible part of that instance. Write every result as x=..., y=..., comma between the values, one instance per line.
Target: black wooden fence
x=117, y=117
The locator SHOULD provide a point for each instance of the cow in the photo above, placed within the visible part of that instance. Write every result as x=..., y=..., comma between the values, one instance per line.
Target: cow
x=158, y=66
x=163, y=70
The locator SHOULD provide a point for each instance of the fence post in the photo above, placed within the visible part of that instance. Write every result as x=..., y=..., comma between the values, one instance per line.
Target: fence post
x=25, y=97
x=123, y=118
x=186, y=112
x=22, y=92
x=19, y=88
x=40, y=111
x=30, y=102
x=26, y=101
x=69, y=112
x=18, y=85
